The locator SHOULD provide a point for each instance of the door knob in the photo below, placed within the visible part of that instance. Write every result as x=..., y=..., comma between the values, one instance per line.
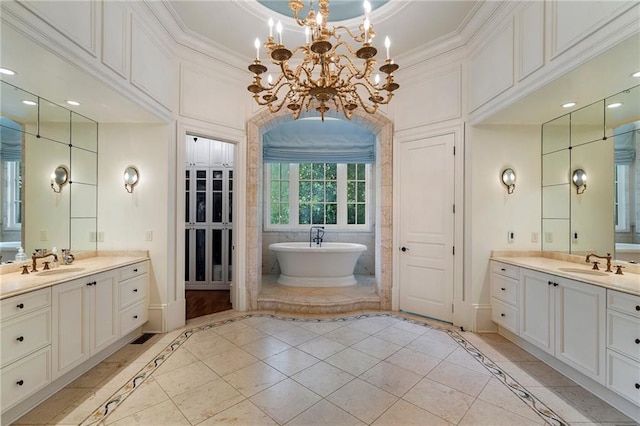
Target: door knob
x=404, y=249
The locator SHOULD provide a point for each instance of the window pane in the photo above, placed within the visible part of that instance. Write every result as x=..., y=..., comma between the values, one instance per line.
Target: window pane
x=284, y=214
x=318, y=171
x=351, y=171
x=351, y=191
x=361, y=170
x=331, y=214
x=275, y=171
x=305, y=171
x=332, y=192
x=304, y=214
x=318, y=192
x=284, y=171
x=318, y=214
x=284, y=192
x=361, y=191
x=305, y=192
x=275, y=192
x=351, y=214
x=275, y=213
x=360, y=214
x=332, y=171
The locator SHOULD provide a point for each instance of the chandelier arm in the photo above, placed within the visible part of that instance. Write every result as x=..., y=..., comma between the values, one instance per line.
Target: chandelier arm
x=369, y=110
x=356, y=38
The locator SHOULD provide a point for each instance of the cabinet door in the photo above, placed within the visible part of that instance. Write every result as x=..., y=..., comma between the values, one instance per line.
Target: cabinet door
x=536, y=309
x=70, y=320
x=580, y=327
x=104, y=319
x=198, y=151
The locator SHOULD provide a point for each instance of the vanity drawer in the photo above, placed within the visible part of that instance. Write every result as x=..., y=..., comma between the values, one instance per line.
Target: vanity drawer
x=623, y=376
x=130, y=271
x=133, y=317
x=623, y=302
x=505, y=269
x=27, y=302
x=132, y=291
x=505, y=289
x=504, y=315
x=623, y=334
x=24, y=335
x=23, y=378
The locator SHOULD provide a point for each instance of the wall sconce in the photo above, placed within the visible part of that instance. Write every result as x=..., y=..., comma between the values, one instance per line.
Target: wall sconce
x=131, y=177
x=59, y=178
x=509, y=180
x=580, y=180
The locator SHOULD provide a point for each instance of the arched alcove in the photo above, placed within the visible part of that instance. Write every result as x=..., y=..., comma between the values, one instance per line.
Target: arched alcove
x=378, y=124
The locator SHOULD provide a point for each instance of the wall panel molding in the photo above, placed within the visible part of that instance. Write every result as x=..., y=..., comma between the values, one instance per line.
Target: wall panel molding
x=530, y=32
x=115, y=37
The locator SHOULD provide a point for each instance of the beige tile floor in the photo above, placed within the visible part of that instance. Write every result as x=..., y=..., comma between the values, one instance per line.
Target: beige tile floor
x=262, y=370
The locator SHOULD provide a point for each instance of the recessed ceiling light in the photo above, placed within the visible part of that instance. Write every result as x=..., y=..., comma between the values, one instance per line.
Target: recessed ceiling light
x=7, y=71
x=569, y=105
x=31, y=103
x=636, y=74
x=615, y=105
x=74, y=103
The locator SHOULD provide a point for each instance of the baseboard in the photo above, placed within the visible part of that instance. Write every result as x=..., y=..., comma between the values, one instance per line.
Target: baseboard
x=481, y=319
x=176, y=314
x=157, y=322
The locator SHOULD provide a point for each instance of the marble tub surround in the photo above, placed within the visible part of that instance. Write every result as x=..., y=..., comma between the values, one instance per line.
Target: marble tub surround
x=629, y=282
x=318, y=300
x=13, y=282
x=374, y=368
x=566, y=257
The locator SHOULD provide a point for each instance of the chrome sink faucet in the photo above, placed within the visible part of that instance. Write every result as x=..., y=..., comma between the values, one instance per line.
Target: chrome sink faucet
x=318, y=238
x=595, y=264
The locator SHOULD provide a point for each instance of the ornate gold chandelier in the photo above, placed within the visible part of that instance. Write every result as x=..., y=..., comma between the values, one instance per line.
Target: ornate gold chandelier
x=328, y=73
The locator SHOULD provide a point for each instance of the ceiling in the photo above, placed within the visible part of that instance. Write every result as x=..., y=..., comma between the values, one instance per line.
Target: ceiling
x=410, y=24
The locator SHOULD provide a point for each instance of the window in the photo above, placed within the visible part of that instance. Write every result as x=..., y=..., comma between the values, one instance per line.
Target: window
x=328, y=194
x=13, y=195
x=621, y=200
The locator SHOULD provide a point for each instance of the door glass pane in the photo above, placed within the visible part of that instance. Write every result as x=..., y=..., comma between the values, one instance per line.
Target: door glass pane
x=201, y=196
x=187, y=199
x=230, y=209
x=186, y=255
x=216, y=254
x=216, y=196
x=230, y=256
x=201, y=241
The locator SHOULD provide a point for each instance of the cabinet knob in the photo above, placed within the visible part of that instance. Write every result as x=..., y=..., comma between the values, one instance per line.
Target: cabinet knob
x=637, y=385
x=20, y=339
x=135, y=270
x=502, y=269
x=555, y=284
x=637, y=341
x=637, y=307
x=549, y=282
x=503, y=289
x=135, y=317
x=135, y=290
x=21, y=382
x=502, y=315
x=21, y=306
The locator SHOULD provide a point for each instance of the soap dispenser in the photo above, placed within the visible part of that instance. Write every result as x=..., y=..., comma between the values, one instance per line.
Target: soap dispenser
x=21, y=256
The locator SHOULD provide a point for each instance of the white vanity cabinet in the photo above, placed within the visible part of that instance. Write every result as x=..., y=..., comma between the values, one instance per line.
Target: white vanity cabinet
x=623, y=344
x=133, y=303
x=565, y=318
x=25, y=338
x=504, y=295
x=84, y=319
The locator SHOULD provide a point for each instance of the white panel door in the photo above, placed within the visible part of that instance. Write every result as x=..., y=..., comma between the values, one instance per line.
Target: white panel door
x=426, y=226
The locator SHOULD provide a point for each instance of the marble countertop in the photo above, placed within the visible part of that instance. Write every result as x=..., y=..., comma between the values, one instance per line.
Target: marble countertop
x=627, y=283
x=14, y=283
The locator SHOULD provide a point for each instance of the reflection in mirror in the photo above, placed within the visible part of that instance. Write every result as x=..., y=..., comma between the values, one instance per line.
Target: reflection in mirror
x=33, y=216
x=59, y=178
x=131, y=176
x=579, y=178
x=603, y=142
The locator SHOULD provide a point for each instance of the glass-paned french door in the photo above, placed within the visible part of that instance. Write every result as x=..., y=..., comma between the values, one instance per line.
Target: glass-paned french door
x=209, y=227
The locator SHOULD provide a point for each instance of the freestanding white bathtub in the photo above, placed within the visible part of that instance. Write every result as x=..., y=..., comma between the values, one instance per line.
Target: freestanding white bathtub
x=330, y=265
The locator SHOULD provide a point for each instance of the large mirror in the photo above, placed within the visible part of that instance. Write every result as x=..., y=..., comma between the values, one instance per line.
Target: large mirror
x=37, y=139
x=591, y=179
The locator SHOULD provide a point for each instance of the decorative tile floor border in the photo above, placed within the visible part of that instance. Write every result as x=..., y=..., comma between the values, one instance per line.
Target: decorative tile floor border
x=540, y=408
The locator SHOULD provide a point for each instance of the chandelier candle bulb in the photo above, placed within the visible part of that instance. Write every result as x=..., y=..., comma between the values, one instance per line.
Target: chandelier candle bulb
x=257, y=44
x=270, y=27
x=367, y=8
x=279, y=31
x=306, y=35
x=387, y=43
x=367, y=24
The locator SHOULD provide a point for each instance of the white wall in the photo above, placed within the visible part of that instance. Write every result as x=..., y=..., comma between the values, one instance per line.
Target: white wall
x=491, y=211
x=124, y=218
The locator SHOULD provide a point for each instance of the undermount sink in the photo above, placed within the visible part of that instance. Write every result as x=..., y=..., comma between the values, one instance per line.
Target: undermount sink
x=584, y=271
x=60, y=270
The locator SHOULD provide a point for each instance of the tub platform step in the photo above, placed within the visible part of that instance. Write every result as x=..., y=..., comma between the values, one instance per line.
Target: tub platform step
x=319, y=300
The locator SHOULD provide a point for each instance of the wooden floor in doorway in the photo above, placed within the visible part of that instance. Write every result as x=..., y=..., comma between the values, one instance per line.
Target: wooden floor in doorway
x=205, y=302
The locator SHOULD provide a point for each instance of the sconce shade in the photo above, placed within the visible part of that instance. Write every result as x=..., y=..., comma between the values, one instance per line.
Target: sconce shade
x=509, y=180
x=579, y=179
x=131, y=178
x=59, y=178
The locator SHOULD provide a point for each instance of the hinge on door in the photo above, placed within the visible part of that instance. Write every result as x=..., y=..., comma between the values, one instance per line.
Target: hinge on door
x=454, y=150
x=454, y=250
x=454, y=209
x=452, y=308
